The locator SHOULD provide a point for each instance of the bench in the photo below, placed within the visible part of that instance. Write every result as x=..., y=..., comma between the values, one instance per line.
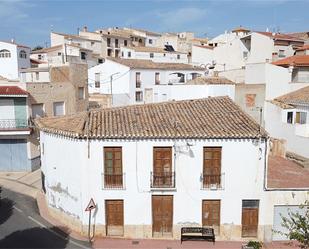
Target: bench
x=197, y=233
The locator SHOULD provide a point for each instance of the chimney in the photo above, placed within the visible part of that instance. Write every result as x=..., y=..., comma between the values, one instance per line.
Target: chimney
x=85, y=29
x=12, y=40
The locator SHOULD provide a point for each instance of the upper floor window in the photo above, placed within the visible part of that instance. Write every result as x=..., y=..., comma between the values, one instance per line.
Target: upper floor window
x=81, y=93
x=212, y=167
x=83, y=55
x=4, y=53
x=281, y=53
x=125, y=42
x=178, y=56
x=39, y=57
x=157, y=78
x=129, y=54
x=301, y=118
x=138, y=79
x=245, y=54
x=58, y=108
x=150, y=41
x=113, y=174
x=23, y=54
x=108, y=42
x=151, y=55
x=97, y=80
x=138, y=96
x=289, y=118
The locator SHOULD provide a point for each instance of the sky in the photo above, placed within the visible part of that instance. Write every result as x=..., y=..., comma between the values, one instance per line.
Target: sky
x=29, y=22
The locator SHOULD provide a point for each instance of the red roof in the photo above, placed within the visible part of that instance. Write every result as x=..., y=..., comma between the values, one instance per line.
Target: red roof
x=283, y=173
x=295, y=60
x=12, y=90
x=305, y=47
x=278, y=36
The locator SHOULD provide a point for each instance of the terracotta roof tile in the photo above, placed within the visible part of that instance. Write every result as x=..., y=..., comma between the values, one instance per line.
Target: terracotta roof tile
x=295, y=60
x=210, y=81
x=153, y=49
x=305, y=47
x=148, y=64
x=278, y=36
x=12, y=91
x=298, y=97
x=285, y=174
x=217, y=117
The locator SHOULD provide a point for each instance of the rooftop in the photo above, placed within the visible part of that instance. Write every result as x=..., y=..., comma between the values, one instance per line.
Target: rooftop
x=240, y=29
x=217, y=117
x=295, y=60
x=74, y=36
x=148, y=64
x=35, y=69
x=58, y=47
x=153, y=49
x=305, y=47
x=12, y=91
x=14, y=43
x=279, y=36
x=210, y=81
x=298, y=97
x=284, y=174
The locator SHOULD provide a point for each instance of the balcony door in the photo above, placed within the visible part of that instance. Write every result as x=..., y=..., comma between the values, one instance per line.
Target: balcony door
x=212, y=167
x=113, y=176
x=162, y=167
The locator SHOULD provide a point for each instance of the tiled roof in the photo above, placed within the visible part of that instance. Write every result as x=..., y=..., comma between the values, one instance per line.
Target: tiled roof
x=203, y=46
x=210, y=81
x=305, y=47
x=217, y=117
x=301, y=35
x=55, y=48
x=74, y=36
x=148, y=64
x=12, y=91
x=295, y=60
x=298, y=97
x=285, y=174
x=153, y=49
x=240, y=29
x=278, y=36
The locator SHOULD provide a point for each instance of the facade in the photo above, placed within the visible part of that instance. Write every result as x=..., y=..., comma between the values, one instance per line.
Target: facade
x=181, y=157
x=15, y=130
x=154, y=54
x=13, y=58
x=132, y=81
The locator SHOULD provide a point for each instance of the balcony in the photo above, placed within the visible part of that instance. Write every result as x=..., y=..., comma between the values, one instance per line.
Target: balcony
x=162, y=180
x=113, y=181
x=212, y=182
x=13, y=124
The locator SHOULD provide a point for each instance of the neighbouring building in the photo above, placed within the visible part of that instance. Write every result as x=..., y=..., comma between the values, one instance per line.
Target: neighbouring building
x=15, y=130
x=187, y=163
x=13, y=58
x=155, y=54
x=131, y=81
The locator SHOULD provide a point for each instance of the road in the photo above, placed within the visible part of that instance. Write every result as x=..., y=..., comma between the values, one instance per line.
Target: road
x=21, y=226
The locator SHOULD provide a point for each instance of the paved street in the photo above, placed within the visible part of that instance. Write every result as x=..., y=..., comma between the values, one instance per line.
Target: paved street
x=22, y=227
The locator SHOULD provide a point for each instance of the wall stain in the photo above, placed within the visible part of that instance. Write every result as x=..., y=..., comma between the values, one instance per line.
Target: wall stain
x=57, y=188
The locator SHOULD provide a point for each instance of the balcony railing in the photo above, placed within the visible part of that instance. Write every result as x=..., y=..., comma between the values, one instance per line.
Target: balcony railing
x=12, y=124
x=162, y=180
x=212, y=182
x=113, y=181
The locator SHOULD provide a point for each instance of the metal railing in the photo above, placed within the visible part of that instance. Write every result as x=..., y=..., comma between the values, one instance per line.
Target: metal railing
x=162, y=180
x=11, y=124
x=113, y=181
x=212, y=182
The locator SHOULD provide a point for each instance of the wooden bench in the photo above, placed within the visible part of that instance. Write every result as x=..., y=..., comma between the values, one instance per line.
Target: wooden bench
x=197, y=233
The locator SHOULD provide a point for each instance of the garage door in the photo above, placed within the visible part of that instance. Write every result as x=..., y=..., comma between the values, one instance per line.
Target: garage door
x=283, y=210
x=13, y=155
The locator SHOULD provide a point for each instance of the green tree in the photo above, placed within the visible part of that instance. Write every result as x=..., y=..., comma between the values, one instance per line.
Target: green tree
x=297, y=225
x=38, y=47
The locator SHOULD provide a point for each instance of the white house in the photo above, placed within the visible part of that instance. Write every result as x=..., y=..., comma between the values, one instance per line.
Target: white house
x=152, y=169
x=13, y=58
x=131, y=81
x=155, y=54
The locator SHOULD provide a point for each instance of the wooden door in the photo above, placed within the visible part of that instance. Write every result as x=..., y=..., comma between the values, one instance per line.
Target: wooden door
x=162, y=166
x=250, y=218
x=162, y=215
x=212, y=166
x=114, y=217
x=211, y=214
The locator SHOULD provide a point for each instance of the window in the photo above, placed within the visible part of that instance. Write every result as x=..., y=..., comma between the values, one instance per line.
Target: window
x=138, y=96
x=100, y=61
x=122, y=53
x=4, y=53
x=37, y=110
x=162, y=175
x=83, y=55
x=157, y=78
x=37, y=76
x=58, y=108
x=281, y=53
x=290, y=118
x=81, y=93
x=23, y=54
x=245, y=54
x=150, y=41
x=97, y=80
x=178, y=56
x=108, y=42
x=129, y=54
x=109, y=52
x=138, y=80
x=113, y=167
x=164, y=55
x=92, y=43
x=151, y=55
x=300, y=117
x=212, y=167
x=250, y=218
x=39, y=57
x=250, y=100
x=125, y=42
x=116, y=43
x=59, y=53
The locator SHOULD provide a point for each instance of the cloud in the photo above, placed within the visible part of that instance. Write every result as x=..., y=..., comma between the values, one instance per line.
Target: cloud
x=13, y=10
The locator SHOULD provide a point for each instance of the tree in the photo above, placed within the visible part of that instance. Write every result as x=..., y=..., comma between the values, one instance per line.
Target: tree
x=297, y=225
x=38, y=47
